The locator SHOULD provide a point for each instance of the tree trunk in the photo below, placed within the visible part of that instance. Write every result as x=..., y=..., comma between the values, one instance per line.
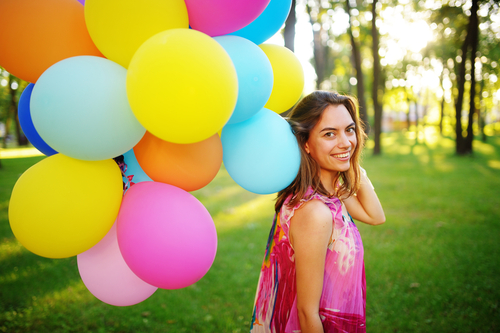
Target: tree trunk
x=481, y=113
x=7, y=127
x=474, y=31
x=408, y=120
x=441, y=116
x=460, y=146
x=417, y=114
x=319, y=52
x=13, y=111
x=459, y=141
x=356, y=57
x=377, y=150
x=289, y=36
x=8, y=116
x=441, y=111
x=289, y=33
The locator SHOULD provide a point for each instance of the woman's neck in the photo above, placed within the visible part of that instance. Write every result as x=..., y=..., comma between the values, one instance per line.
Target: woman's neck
x=327, y=180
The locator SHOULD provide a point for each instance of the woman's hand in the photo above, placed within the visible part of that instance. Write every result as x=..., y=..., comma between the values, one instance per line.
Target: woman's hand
x=365, y=205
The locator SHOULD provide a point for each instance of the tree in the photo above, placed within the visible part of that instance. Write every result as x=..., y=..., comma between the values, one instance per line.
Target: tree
x=469, y=48
x=377, y=107
x=356, y=57
x=289, y=31
x=10, y=93
x=459, y=33
x=449, y=24
x=320, y=49
x=474, y=31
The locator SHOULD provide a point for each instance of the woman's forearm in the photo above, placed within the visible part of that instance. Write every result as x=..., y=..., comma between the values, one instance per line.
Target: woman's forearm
x=365, y=205
x=310, y=322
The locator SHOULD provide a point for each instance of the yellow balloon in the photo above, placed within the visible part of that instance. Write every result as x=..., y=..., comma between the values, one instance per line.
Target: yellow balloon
x=119, y=27
x=61, y=207
x=288, y=78
x=182, y=86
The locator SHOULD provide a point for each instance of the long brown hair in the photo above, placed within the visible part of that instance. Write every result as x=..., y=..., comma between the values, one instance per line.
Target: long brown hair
x=304, y=116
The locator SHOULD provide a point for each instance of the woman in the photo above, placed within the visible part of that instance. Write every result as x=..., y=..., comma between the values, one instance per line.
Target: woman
x=313, y=278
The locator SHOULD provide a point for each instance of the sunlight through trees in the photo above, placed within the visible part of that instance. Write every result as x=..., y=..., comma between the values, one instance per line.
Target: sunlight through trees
x=436, y=63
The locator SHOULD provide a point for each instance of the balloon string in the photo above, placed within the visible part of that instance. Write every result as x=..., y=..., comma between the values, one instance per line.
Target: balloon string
x=120, y=160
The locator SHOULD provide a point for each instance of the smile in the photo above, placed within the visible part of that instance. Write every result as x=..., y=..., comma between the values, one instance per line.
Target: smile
x=344, y=155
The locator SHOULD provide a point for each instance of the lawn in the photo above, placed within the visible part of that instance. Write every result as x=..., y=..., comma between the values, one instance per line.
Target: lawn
x=432, y=267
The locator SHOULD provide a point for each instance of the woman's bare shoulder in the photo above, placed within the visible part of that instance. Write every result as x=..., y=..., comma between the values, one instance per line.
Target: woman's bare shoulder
x=311, y=224
x=312, y=213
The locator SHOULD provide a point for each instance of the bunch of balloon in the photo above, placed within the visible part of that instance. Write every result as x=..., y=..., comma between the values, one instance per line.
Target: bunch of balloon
x=154, y=82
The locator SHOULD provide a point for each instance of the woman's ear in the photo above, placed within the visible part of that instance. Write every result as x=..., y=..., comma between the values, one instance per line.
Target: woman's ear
x=306, y=147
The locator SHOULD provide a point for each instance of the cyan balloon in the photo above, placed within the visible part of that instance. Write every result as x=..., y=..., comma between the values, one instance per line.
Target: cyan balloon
x=268, y=23
x=26, y=122
x=133, y=171
x=80, y=108
x=255, y=76
x=261, y=154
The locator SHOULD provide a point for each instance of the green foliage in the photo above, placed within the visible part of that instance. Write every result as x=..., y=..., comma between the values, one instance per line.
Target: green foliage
x=432, y=267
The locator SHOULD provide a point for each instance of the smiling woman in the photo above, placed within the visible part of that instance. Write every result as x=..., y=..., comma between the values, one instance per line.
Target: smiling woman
x=312, y=278
x=332, y=146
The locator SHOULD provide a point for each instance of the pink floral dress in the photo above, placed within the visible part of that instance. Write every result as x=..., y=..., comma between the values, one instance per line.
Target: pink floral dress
x=343, y=300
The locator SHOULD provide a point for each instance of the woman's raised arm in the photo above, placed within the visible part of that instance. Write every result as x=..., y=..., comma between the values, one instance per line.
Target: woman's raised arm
x=365, y=205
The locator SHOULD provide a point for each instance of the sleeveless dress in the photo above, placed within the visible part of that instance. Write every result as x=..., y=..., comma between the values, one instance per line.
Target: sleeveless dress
x=343, y=299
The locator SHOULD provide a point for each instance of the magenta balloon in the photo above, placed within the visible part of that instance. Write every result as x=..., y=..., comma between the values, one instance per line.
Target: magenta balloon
x=107, y=276
x=220, y=17
x=166, y=236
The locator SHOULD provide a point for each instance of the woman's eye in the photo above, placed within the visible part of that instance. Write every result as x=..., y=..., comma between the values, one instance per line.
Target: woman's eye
x=329, y=134
x=350, y=130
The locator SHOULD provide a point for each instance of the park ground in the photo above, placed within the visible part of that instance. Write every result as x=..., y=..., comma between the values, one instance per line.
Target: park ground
x=432, y=267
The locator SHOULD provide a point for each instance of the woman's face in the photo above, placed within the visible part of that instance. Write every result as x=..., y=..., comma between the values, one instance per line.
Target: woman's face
x=333, y=140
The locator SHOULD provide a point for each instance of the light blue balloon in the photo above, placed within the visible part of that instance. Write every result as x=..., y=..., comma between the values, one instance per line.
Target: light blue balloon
x=133, y=171
x=79, y=107
x=268, y=23
x=255, y=76
x=261, y=154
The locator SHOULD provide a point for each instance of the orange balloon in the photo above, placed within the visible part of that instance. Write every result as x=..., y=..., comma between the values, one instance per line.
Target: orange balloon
x=36, y=34
x=188, y=166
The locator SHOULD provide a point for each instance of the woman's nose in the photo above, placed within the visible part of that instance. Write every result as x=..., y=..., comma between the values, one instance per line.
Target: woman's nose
x=344, y=141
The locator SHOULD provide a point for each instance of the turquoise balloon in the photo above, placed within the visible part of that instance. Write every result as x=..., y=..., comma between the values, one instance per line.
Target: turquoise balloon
x=79, y=107
x=255, y=76
x=261, y=154
x=268, y=23
x=133, y=172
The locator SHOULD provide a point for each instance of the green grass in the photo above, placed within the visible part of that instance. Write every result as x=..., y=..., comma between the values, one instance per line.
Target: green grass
x=432, y=267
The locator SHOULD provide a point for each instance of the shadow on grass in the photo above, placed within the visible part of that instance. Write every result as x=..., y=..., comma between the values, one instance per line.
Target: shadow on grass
x=17, y=265
x=26, y=276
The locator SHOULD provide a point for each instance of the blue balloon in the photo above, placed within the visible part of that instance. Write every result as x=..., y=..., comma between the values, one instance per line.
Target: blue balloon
x=80, y=108
x=133, y=172
x=261, y=154
x=24, y=113
x=255, y=76
x=268, y=23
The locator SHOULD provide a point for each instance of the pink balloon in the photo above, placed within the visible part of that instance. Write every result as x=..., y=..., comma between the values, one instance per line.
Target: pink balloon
x=220, y=17
x=107, y=276
x=166, y=236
